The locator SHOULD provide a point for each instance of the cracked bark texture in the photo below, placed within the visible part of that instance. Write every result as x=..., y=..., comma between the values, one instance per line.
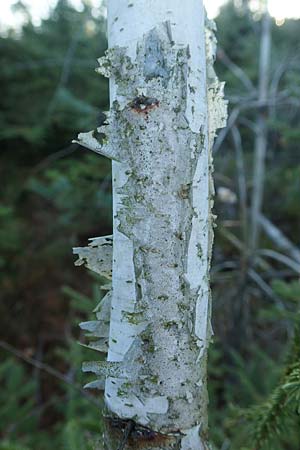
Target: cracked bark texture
x=166, y=105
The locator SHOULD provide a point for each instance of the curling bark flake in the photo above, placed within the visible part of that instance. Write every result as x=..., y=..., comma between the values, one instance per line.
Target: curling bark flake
x=166, y=105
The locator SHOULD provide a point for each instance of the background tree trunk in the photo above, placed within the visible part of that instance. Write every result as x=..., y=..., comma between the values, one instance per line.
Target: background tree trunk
x=166, y=105
x=261, y=138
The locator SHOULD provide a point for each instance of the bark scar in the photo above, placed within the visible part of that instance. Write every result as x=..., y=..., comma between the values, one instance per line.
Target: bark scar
x=143, y=105
x=138, y=436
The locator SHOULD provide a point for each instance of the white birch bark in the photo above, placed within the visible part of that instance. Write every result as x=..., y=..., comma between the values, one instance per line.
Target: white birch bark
x=166, y=104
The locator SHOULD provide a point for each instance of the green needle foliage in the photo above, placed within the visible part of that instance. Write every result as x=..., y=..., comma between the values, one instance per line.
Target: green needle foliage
x=275, y=423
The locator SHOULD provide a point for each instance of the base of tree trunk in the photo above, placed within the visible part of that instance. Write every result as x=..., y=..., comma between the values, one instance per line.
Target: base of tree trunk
x=128, y=435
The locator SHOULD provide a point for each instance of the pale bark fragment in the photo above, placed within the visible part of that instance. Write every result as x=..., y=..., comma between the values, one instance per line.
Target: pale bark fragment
x=100, y=345
x=192, y=440
x=97, y=256
x=103, y=308
x=96, y=328
x=102, y=368
x=97, y=384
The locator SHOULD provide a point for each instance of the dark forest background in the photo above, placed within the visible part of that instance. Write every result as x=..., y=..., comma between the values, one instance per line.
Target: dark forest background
x=55, y=195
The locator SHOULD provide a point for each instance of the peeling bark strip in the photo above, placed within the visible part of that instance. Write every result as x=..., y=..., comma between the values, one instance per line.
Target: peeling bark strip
x=166, y=105
x=97, y=256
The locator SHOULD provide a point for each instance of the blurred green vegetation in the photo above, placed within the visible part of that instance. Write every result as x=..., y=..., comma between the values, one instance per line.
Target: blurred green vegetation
x=55, y=196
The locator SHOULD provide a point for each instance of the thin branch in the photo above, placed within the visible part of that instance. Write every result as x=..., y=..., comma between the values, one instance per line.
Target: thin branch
x=241, y=175
x=55, y=156
x=48, y=369
x=236, y=70
x=65, y=72
x=240, y=246
x=277, y=236
x=29, y=65
x=265, y=288
x=288, y=64
x=275, y=83
x=281, y=258
x=245, y=104
x=249, y=124
x=224, y=132
x=37, y=411
x=225, y=265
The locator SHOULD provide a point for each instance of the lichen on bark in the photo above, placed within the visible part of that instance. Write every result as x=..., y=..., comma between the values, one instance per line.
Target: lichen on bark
x=160, y=141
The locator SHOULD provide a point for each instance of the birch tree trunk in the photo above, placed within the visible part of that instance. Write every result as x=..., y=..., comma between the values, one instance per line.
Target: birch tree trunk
x=166, y=104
